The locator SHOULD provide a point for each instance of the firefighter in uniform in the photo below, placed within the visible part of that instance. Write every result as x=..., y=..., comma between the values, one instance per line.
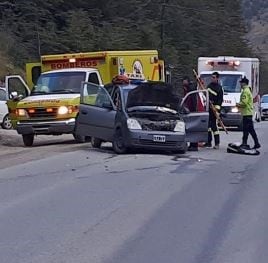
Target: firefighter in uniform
x=216, y=98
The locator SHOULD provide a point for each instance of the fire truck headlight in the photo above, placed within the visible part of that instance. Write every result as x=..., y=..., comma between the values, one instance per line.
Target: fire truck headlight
x=21, y=112
x=234, y=110
x=63, y=110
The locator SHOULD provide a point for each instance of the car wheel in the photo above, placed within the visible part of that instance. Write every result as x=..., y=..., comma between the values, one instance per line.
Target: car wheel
x=6, y=123
x=79, y=138
x=96, y=142
x=118, y=142
x=262, y=118
x=182, y=150
x=28, y=139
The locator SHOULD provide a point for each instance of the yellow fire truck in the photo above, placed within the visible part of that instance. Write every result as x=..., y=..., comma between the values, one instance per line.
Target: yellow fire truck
x=47, y=103
x=109, y=64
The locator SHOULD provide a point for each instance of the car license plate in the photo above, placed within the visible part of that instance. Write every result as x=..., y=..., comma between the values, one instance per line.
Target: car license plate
x=159, y=138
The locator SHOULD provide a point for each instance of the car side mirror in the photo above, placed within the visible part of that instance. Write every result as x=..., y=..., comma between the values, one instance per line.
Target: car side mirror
x=15, y=96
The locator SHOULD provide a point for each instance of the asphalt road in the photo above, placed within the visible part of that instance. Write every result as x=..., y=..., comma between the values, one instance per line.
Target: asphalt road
x=63, y=202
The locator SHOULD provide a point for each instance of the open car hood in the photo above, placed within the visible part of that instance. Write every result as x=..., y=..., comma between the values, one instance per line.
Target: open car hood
x=153, y=94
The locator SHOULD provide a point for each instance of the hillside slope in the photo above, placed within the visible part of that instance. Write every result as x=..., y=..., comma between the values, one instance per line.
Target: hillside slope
x=256, y=16
x=182, y=30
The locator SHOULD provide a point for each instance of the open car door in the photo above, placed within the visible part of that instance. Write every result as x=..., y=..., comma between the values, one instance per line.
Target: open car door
x=17, y=90
x=196, y=121
x=97, y=112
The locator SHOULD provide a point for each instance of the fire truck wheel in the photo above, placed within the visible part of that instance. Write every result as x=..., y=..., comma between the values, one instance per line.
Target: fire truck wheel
x=28, y=139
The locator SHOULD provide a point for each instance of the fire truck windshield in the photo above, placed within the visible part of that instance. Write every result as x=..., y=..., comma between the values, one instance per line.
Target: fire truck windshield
x=59, y=82
x=229, y=82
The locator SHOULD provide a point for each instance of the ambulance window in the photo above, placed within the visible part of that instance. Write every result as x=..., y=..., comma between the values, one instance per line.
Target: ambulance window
x=93, y=78
x=36, y=72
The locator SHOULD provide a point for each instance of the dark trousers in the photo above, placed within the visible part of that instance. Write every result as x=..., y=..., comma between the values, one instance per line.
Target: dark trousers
x=248, y=128
x=193, y=145
x=213, y=129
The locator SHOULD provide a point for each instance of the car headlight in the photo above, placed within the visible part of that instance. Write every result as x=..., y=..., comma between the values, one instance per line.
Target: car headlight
x=133, y=124
x=21, y=113
x=63, y=110
x=234, y=110
x=180, y=127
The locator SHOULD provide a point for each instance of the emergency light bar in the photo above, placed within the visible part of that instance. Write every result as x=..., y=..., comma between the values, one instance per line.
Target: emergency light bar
x=228, y=63
x=72, y=60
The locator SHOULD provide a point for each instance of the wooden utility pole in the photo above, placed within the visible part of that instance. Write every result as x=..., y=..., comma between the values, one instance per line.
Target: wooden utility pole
x=162, y=18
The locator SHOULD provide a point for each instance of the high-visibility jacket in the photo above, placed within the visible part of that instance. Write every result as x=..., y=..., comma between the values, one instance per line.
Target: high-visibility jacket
x=215, y=94
x=246, y=102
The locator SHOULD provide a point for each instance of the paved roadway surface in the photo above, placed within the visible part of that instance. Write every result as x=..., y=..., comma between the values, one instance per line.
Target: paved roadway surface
x=63, y=202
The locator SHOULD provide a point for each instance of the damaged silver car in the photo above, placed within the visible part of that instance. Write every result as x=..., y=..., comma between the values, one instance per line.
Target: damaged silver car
x=143, y=115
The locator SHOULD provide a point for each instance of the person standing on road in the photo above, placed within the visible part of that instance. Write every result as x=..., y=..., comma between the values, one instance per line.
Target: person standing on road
x=246, y=108
x=216, y=98
x=191, y=104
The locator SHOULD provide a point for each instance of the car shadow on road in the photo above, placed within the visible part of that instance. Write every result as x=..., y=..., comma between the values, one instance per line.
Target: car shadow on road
x=108, y=149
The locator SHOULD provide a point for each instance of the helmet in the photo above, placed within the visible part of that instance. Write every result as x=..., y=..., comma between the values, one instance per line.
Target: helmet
x=120, y=79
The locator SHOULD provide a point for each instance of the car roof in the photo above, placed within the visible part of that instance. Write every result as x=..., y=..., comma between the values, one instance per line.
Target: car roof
x=128, y=86
x=72, y=70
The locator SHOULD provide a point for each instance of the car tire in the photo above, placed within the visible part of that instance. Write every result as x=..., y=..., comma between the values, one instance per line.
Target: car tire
x=96, y=142
x=262, y=118
x=182, y=150
x=118, y=143
x=6, y=124
x=79, y=138
x=28, y=139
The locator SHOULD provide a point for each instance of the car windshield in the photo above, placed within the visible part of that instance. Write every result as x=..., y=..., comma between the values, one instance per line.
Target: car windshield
x=59, y=82
x=264, y=99
x=230, y=83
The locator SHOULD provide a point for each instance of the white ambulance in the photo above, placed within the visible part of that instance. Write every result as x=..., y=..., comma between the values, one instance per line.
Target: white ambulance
x=231, y=70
